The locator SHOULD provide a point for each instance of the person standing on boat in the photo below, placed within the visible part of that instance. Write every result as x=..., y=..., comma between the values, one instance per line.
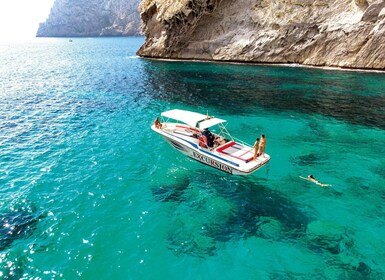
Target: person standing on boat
x=256, y=149
x=262, y=145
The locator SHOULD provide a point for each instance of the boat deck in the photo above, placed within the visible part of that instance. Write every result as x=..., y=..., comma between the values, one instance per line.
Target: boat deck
x=231, y=148
x=237, y=150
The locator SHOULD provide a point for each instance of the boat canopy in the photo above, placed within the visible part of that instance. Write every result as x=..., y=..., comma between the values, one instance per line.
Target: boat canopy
x=192, y=119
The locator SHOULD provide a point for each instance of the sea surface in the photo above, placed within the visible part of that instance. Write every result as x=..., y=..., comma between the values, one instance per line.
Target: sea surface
x=88, y=191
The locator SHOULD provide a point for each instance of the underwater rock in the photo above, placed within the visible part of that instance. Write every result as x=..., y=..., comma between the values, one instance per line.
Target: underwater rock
x=15, y=271
x=307, y=160
x=256, y=202
x=172, y=192
x=216, y=210
x=354, y=269
x=363, y=268
x=269, y=228
x=328, y=236
x=16, y=225
x=191, y=243
x=380, y=170
x=209, y=210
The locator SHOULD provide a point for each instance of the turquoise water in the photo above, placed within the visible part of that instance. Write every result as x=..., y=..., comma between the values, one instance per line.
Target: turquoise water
x=88, y=191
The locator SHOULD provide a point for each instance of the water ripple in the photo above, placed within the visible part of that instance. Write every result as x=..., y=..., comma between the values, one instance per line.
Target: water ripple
x=84, y=180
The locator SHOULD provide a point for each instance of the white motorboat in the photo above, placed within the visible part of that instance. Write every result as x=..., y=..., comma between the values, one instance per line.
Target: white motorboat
x=189, y=133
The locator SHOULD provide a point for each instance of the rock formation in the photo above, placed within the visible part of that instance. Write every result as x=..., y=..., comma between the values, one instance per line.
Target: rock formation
x=70, y=18
x=337, y=33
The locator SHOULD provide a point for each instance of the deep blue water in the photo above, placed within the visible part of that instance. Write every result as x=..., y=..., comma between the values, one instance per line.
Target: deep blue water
x=88, y=191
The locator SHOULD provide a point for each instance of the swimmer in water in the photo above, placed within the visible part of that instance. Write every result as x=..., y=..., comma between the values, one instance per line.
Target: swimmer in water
x=314, y=180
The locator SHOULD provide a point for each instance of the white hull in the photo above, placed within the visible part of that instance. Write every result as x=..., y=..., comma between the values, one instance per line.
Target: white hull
x=230, y=156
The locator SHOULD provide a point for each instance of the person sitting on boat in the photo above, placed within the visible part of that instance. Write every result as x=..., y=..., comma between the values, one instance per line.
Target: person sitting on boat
x=219, y=140
x=202, y=141
x=158, y=124
x=209, y=136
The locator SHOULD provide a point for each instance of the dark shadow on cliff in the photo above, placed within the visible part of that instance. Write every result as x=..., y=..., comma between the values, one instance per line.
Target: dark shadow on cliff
x=354, y=97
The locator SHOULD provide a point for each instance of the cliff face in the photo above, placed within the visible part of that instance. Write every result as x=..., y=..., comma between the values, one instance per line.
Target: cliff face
x=70, y=18
x=340, y=33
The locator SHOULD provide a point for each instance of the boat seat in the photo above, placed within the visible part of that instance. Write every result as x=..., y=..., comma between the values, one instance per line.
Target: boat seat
x=186, y=131
x=225, y=146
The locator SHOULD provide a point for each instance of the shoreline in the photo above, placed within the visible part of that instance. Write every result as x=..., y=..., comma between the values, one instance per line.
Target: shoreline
x=293, y=65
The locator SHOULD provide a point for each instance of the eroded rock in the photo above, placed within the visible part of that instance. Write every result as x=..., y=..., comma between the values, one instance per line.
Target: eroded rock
x=69, y=18
x=339, y=33
x=328, y=236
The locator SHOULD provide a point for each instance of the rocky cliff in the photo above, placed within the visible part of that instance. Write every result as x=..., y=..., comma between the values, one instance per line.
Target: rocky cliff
x=338, y=33
x=70, y=18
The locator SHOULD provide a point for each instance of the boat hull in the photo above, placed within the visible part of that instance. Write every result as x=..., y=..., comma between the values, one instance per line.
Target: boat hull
x=198, y=156
x=191, y=148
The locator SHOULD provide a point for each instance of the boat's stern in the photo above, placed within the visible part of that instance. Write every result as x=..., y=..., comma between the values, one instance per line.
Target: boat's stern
x=254, y=164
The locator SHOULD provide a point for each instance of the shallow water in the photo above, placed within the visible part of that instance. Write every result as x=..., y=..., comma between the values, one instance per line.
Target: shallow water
x=89, y=191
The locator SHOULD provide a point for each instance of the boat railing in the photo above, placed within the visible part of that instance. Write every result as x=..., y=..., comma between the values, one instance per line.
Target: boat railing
x=242, y=142
x=226, y=134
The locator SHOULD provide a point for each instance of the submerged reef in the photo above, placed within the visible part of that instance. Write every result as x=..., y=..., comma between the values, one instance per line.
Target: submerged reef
x=15, y=225
x=209, y=211
x=173, y=192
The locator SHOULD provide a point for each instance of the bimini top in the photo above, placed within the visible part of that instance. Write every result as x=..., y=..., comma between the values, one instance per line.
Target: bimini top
x=192, y=119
